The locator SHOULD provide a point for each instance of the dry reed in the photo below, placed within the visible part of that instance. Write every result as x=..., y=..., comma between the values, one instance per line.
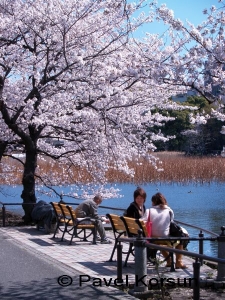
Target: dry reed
x=177, y=168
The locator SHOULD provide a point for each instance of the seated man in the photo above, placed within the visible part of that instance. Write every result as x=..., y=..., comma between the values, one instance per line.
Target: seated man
x=88, y=208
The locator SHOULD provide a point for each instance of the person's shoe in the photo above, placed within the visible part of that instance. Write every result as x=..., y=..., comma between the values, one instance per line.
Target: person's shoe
x=98, y=238
x=106, y=241
x=180, y=266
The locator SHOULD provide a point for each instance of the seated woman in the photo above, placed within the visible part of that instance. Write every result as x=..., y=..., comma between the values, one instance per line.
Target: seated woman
x=160, y=216
x=137, y=209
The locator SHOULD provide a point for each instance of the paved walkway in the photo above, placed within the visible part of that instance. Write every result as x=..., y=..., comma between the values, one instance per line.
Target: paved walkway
x=28, y=275
x=91, y=261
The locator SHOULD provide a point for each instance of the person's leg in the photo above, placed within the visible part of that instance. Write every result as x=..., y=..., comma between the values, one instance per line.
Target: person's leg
x=151, y=255
x=179, y=264
x=167, y=258
x=101, y=230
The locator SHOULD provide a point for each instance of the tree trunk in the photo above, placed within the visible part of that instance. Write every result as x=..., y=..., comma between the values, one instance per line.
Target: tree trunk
x=3, y=146
x=28, y=181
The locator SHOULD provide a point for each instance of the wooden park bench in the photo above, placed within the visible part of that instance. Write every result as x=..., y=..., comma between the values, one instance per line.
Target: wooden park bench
x=80, y=228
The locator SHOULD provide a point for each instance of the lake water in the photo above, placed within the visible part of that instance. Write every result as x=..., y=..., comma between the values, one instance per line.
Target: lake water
x=200, y=205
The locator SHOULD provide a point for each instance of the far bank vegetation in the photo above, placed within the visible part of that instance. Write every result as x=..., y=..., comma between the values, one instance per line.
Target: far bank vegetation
x=177, y=168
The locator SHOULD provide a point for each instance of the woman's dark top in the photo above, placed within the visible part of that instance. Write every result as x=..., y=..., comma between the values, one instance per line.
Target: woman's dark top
x=134, y=211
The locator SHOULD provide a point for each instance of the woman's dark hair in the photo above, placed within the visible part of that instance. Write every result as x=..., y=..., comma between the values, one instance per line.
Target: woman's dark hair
x=140, y=192
x=159, y=199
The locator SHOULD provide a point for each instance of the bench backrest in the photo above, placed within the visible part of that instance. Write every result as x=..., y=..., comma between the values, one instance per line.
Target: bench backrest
x=132, y=226
x=72, y=212
x=57, y=209
x=65, y=211
x=116, y=222
x=142, y=226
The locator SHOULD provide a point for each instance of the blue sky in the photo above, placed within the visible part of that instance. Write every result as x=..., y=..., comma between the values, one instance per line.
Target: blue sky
x=191, y=10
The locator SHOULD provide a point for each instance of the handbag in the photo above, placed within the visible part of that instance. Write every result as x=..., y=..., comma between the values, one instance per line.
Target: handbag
x=177, y=231
x=151, y=253
x=149, y=226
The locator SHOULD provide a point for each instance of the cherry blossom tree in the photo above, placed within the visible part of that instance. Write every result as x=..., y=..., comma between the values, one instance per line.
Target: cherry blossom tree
x=196, y=57
x=71, y=70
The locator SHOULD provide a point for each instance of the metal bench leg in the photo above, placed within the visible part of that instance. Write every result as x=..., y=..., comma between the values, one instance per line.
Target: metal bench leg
x=94, y=232
x=65, y=230
x=56, y=229
x=72, y=235
x=113, y=251
x=128, y=254
x=172, y=268
x=85, y=236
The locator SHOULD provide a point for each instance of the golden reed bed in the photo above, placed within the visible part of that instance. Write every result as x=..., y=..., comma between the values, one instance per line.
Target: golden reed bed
x=177, y=168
